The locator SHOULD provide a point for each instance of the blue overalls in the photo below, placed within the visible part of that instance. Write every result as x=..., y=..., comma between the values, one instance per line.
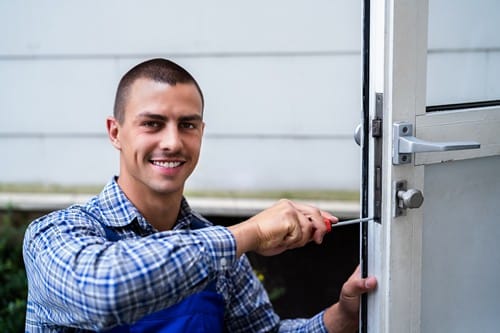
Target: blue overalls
x=201, y=312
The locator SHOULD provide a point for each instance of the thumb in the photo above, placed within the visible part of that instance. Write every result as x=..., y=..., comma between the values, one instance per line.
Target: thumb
x=356, y=286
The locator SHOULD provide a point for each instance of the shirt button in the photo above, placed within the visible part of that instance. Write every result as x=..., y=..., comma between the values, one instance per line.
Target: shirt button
x=223, y=262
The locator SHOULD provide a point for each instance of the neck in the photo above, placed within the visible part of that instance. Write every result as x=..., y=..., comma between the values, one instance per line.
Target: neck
x=160, y=209
x=161, y=213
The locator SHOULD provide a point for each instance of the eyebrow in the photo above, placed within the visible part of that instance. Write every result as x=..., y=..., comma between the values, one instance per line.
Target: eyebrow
x=193, y=117
x=155, y=116
x=150, y=115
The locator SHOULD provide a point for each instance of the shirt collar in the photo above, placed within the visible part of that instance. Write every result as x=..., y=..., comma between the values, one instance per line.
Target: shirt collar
x=118, y=211
x=115, y=208
x=185, y=216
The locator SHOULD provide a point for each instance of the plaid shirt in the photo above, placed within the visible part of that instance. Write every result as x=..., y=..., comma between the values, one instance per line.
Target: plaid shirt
x=77, y=278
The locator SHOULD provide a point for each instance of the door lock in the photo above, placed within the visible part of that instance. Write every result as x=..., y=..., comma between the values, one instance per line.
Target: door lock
x=411, y=198
x=405, y=198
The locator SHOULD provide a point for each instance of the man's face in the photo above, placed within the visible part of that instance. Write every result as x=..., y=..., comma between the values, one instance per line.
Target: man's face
x=160, y=138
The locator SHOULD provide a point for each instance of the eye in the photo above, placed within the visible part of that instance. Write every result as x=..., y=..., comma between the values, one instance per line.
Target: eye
x=151, y=124
x=187, y=125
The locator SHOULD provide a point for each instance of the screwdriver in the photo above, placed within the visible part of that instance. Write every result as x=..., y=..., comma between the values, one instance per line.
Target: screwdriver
x=330, y=225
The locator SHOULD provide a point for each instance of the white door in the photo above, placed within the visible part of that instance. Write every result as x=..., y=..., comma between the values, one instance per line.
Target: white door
x=438, y=265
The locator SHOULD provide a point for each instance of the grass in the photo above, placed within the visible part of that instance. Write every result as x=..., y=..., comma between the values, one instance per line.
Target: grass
x=49, y=188
x=307, y=194
x=278, y=194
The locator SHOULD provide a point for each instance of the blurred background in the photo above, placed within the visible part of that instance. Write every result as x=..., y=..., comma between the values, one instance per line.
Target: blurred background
x=281, y=81
x=282, y=85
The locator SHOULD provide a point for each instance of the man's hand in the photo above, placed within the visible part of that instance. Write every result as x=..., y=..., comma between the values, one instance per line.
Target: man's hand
x=344, y=315
x=284, y=226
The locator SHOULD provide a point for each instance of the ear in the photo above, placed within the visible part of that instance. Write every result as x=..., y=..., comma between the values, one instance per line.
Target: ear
x=113, y=128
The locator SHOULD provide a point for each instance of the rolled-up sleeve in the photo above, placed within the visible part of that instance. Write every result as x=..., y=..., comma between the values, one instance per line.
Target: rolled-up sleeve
x=250, y=310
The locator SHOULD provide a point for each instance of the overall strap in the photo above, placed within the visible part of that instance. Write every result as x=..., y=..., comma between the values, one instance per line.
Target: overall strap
x=111, y=234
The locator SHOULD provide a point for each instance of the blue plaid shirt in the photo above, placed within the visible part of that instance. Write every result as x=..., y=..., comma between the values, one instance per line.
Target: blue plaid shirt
x=77, y=278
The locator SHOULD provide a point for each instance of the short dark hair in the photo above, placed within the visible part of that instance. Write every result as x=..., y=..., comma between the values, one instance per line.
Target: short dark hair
x=160, y=70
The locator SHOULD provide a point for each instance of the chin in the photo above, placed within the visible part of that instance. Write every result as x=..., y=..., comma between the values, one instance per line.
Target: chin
x=167, y=189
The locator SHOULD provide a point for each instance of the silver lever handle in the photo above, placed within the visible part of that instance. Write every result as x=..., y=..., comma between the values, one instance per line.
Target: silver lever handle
x=404, y=144
x=411, y=144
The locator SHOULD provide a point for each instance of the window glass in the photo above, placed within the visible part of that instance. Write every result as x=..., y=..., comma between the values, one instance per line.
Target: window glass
x=463, y=63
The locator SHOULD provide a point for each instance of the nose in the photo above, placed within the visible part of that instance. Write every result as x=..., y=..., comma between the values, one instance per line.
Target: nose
x=171, y=139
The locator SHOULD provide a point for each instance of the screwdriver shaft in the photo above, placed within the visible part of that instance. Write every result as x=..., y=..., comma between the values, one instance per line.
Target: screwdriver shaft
x=339, y=224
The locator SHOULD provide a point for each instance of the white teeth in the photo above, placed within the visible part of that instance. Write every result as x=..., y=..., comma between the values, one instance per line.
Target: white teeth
x=167, y=164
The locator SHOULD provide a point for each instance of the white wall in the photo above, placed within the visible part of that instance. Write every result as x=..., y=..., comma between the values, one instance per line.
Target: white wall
x=281, y=81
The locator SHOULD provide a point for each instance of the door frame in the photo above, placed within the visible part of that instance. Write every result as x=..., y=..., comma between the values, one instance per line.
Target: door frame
x=398, y=59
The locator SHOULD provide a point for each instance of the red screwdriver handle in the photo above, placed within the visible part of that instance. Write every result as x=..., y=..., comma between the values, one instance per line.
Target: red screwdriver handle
x=328, y=224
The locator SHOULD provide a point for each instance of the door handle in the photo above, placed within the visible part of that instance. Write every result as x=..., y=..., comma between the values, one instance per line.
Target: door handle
x=357, y=135
x=404, y=144
x=411, y=144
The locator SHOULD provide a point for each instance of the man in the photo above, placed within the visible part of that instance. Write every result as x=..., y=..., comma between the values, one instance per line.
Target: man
x=137, y=258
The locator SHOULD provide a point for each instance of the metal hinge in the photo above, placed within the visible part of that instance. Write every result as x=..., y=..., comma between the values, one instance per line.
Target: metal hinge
x=377, y=130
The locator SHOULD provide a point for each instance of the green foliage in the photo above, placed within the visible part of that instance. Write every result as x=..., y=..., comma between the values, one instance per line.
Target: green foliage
x=274, y=285
x=13, y=284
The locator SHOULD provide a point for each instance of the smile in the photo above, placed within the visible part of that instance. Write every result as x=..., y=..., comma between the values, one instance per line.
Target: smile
x=165, y=164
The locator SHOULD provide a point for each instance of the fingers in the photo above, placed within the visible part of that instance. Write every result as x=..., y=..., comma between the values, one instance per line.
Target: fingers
x=320, y=220
x=283, y=226
x=346, y=310
x=353, y=288
x=356, y=285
